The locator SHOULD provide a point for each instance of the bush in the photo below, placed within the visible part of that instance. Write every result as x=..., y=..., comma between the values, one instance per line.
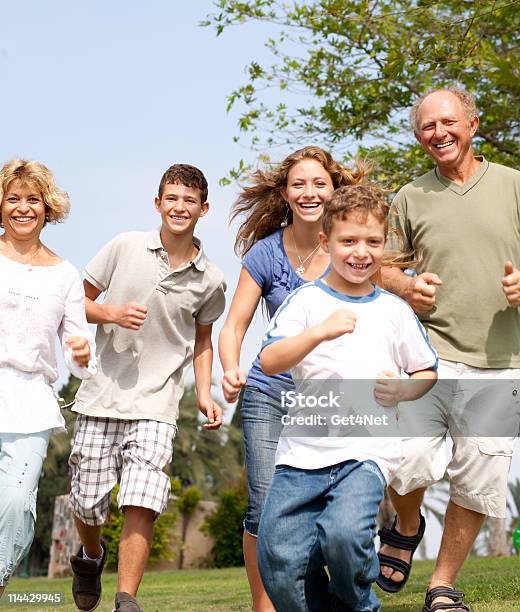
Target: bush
x=160, y=548
x=188, y=500
x=225, y=526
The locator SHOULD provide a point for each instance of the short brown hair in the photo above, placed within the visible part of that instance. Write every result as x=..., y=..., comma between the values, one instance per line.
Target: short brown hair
x=361, y=200
x=34, y=173
x=184, y=174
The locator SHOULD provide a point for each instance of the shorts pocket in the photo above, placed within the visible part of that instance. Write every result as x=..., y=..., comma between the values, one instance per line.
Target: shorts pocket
x=496, y=446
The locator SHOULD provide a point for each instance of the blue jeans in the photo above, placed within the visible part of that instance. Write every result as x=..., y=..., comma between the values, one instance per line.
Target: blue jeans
x=262, y=425
x=314, y=518
x=21, y=460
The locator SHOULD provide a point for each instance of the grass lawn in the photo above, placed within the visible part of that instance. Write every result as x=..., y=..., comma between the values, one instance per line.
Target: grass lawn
x=491, y=585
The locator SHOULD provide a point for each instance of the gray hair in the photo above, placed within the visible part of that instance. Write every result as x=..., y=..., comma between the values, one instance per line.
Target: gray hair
x=467, y=100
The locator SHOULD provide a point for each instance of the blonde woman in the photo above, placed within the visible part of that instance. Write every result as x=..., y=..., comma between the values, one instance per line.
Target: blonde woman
x=41, y=296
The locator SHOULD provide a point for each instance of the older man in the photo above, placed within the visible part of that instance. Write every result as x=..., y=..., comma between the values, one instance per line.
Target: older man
x=463, y=218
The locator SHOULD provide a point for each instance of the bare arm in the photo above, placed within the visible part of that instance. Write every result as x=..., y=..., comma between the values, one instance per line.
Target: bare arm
x=130, y=316
x=243, y=307
x=285, y=354
x=202, y=364
x=419, y=291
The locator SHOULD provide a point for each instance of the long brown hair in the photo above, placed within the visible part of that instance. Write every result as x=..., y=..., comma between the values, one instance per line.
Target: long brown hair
x=262, y=205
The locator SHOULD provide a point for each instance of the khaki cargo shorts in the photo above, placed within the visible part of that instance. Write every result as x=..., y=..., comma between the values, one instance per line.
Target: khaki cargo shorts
x=480, y=409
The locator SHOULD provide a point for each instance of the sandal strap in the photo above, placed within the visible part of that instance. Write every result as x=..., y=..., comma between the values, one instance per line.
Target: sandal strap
x=393, y=538
x=447, y=606
x=396, y=564
x=441, y=591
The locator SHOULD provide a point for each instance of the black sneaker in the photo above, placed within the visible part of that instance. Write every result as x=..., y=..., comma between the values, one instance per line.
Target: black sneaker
x=126, y=603
x=86, y=580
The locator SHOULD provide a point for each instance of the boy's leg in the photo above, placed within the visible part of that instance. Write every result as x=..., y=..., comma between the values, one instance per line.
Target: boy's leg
x=347, y=528
x=21, y=459
x=289, y=557
x=90, y=536
x=134, y=547
x=94, y=466
x=143, y=494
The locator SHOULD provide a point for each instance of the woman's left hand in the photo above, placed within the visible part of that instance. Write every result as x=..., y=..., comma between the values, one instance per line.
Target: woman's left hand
x=80, y=350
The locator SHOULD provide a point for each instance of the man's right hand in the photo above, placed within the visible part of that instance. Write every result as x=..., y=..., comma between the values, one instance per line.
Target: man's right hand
x=421, y=295
x=130, y=316
x=342, y=321
x=232, y=381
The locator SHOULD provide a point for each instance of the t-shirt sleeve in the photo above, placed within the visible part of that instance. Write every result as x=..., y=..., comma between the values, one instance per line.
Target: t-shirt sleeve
x=258, y=261
x=99, y=270
x=415, y=351
x=399, y=238
x=213, y=307
x=74, y=323
x=290, y=319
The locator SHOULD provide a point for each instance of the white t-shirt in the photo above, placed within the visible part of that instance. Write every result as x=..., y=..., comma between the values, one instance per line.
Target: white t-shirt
x=387, y=336
x=36, y=304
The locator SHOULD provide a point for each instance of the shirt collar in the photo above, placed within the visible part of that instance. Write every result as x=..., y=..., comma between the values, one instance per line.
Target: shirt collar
x=153, y=243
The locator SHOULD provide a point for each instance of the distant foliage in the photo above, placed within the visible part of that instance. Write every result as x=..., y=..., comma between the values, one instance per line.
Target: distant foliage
x=225, y=526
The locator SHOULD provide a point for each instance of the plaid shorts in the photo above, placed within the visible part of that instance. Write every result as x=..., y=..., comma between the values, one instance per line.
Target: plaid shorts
x=132, y=453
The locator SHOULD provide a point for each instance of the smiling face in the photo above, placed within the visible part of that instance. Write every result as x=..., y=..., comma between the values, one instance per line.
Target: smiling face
x=444, y=130
x=309, y=185
x=180, y=208
x=355, y=245
x=23, y=211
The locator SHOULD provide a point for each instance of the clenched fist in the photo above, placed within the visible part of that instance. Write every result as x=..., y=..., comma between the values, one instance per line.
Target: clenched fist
x=342, y=321
x=421, y=296
x=130, y=316
x=511, y=284
x=80, y=350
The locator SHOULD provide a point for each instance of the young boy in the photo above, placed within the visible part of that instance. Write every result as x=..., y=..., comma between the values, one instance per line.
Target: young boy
x=162, y=296
x=322, y=505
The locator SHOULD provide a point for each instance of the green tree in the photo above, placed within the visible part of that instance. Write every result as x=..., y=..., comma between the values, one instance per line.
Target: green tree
x=211, y=460
x=225, y=526
x=344, y=73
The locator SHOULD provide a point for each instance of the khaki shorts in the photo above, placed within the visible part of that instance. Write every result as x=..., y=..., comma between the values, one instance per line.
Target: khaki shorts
x=480, y=410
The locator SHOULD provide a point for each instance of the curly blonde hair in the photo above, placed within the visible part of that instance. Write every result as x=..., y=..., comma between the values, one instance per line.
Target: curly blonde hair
x=262, y=205
x=34, y=173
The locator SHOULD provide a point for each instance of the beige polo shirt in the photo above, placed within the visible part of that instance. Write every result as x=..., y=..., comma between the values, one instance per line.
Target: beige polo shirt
x=141, y=373
x=465, y=234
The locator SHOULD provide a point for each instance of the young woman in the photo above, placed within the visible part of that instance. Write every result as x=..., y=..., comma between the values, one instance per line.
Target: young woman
x=41, y=296
x=279, y=242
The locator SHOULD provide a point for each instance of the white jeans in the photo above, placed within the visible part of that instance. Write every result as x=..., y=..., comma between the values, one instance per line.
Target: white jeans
x=21, y=459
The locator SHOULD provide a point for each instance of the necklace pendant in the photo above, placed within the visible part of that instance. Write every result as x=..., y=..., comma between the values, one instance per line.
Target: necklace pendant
x=300, y=270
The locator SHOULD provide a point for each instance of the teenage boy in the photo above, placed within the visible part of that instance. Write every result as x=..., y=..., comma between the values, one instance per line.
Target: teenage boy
x=162, y=296
x=322, y=505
